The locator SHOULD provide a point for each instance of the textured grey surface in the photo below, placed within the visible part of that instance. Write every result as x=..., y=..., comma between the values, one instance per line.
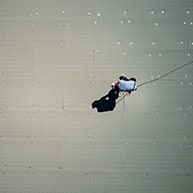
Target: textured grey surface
x=56, y=57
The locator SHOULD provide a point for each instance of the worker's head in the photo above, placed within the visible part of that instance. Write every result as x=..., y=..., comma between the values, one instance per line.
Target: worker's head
x=133, y=79
x=121, y=77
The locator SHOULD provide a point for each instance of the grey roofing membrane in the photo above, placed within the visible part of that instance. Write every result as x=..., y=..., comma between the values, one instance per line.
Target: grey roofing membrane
x=56, y=58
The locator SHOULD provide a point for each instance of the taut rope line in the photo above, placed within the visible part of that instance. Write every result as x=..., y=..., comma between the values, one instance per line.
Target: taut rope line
x=156, y=79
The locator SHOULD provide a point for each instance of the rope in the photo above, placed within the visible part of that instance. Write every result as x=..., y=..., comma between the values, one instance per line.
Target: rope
x=164, y=75
x=122, y=97
x=156, y=79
